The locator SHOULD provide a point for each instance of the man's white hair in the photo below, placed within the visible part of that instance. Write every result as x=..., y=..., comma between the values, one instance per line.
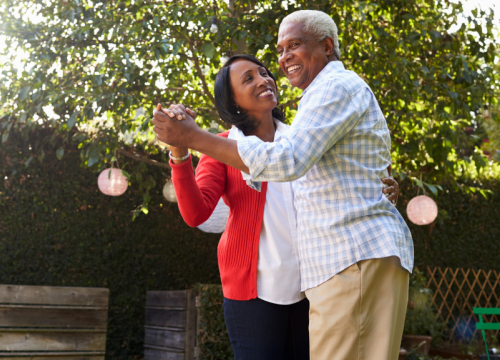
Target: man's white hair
x=316, y=23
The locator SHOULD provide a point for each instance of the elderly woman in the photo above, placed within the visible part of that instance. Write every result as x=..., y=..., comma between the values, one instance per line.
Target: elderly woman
x=265, y=310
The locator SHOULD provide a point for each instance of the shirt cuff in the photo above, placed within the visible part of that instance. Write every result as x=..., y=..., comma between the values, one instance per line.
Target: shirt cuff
x=183, y=170
x=253, y=154
x=254, y=157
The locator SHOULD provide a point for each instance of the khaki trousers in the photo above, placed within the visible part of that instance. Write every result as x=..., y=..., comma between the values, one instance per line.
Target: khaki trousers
x=359, y=313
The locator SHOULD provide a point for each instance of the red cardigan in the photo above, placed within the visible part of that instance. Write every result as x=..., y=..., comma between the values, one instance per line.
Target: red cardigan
x=238, y=249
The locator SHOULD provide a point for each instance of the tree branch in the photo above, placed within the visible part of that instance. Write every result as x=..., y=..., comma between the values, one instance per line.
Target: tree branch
x=200, y=74
x=143, y=159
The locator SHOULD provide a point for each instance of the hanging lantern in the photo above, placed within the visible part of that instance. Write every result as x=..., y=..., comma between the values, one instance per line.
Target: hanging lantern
x=169, y=191
x=213, y=28
x=422, y=210
x=112, y=182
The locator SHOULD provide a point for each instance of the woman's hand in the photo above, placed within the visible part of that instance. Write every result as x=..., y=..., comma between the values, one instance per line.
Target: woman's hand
x=178, y=111
x=392, y=189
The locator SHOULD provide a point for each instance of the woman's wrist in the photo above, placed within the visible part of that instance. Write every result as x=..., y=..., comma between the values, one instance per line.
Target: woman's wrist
x=179, y=153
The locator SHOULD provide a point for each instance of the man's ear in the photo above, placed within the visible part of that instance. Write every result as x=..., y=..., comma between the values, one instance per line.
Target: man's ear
x=329, y=46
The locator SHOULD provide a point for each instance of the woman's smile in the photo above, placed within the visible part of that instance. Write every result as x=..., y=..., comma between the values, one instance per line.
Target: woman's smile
x=266, y=93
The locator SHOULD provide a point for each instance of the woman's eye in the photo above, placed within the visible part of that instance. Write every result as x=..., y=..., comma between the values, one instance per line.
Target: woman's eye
x=264, y=73
x=248, y=79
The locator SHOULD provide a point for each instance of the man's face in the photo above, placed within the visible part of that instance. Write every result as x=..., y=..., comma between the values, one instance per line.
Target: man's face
x=301, y=57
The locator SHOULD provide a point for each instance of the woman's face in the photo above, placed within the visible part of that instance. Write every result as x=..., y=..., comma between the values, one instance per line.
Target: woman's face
x=254, y=90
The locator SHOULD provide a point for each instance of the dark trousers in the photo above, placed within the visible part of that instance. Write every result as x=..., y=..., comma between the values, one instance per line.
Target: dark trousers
x=260, y=330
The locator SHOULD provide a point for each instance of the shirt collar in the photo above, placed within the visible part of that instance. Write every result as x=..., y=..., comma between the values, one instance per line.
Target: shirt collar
x=237, y=134
x=331, y=66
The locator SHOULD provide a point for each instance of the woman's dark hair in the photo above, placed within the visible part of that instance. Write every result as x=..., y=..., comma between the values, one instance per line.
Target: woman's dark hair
x=224, y=101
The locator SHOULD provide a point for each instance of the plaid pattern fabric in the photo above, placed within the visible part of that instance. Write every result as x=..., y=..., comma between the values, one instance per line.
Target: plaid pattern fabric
x=338, y=149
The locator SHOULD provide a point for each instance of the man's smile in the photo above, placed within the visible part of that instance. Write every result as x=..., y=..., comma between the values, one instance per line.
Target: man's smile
x=292, y=69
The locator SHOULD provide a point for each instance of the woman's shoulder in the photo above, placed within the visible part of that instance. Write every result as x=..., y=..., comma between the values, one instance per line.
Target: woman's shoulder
x=224, y=134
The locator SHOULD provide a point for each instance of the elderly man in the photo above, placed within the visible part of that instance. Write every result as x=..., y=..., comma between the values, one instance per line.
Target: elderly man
x=355, y=250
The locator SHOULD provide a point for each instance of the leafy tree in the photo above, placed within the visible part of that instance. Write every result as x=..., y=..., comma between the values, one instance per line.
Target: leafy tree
x=95, y=70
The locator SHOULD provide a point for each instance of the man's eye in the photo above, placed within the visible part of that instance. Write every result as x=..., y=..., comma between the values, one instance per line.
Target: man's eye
x=264, y=73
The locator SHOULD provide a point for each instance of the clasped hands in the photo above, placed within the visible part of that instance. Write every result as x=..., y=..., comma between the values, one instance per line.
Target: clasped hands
x=175, y=126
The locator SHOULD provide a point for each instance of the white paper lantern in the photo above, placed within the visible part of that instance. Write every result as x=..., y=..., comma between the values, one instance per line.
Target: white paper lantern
x=169, y=191
x=422, y=210
x=112, y=182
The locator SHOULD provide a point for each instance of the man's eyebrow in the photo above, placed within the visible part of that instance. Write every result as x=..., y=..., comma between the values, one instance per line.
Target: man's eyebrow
x=302, y=40
x=245, y=73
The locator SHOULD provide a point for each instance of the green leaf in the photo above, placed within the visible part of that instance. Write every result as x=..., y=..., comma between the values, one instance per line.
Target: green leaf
x=432, y=188
x=5, y=136
x=72, y=120
x=60, y=153
x=24, y=93
x=93, y=160
x=208, y=49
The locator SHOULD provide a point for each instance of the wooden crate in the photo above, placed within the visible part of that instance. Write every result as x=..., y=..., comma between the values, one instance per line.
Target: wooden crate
x=170, y=330
x=42, y=322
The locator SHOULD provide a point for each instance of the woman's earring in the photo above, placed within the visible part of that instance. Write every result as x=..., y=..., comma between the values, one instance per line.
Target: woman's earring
x=237, y=109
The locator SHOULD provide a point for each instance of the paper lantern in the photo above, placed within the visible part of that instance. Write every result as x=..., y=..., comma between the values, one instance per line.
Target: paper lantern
x=422, y=210
x=169, y=191
x=112, y=182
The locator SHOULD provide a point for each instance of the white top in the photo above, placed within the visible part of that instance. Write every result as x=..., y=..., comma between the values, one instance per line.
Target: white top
x=278, y=276
x=216, y=223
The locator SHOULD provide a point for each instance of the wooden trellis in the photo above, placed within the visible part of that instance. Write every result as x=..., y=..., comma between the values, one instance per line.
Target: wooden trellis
x=456, y=292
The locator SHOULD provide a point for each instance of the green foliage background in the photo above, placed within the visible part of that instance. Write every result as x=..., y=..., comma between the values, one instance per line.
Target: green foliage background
x=95, y=63
x=56, y=228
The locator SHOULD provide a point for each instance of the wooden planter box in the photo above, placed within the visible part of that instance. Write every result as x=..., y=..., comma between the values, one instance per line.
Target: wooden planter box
x=50, y=322
x=170, y=329
x=412, y=341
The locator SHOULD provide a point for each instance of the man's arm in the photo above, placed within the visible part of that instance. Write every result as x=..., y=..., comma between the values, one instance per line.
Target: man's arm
x=327, y=113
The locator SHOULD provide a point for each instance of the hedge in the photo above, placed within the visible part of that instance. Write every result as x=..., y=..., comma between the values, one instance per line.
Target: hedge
x=56, y=228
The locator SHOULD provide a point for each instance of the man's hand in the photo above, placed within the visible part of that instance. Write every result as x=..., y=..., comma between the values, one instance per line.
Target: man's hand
x=392, y=190
x=172, y=131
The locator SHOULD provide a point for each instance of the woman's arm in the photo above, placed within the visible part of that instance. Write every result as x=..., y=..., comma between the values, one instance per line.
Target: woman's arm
x=198, y=196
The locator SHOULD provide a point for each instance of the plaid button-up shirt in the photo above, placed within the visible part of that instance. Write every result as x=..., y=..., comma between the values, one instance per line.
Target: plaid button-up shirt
x=338, y=149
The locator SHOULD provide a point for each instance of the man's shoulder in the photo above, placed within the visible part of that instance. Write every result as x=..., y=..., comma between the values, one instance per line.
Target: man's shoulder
x=340, y=79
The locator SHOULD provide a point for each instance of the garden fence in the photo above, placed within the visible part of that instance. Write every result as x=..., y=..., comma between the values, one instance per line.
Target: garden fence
x=456, y=292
